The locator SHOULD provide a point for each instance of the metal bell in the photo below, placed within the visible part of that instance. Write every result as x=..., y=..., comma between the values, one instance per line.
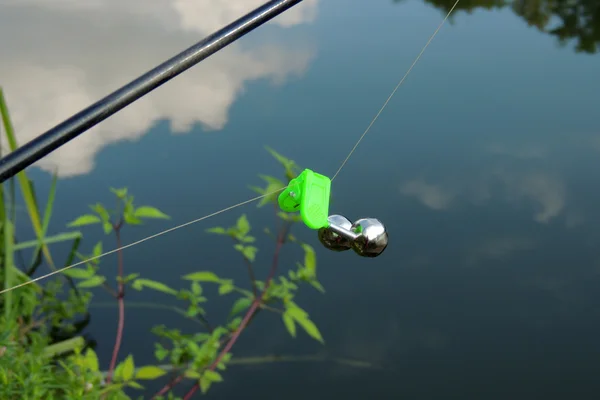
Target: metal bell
x=371, y=239
x=332, y=240
x=367, y=236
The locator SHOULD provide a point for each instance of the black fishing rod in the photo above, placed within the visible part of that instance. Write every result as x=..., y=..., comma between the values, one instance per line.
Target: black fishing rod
x=66, y=131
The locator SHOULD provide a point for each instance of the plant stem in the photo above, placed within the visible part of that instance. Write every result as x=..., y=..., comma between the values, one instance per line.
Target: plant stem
x=253, y=307
x=202, y=319
x=252, y=278
x=272, y=309
x=121, y=303
x=168, y=386
x=250, y=273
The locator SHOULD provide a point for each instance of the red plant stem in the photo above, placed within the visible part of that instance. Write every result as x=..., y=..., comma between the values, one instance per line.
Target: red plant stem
x=168, y=386
x=189, y=394
x=253, y=307
x=121, y=302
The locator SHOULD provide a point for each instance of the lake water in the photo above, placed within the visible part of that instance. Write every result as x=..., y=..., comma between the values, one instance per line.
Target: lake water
x=484, y=168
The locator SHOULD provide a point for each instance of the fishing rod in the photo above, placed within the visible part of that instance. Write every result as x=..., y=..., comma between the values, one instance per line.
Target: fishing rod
x=54, y=138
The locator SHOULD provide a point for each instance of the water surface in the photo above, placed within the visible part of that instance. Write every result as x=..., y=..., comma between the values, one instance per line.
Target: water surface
x=483, y=167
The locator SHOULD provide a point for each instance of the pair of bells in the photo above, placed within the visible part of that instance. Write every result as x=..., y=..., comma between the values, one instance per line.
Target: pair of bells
x=367, y=236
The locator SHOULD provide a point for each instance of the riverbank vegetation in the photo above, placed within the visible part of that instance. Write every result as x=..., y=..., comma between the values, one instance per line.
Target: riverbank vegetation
x=43, y=353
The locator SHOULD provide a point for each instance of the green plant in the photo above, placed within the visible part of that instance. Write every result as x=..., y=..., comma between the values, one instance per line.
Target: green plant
x=200, y=356
x=40, y=324
x=43, y=353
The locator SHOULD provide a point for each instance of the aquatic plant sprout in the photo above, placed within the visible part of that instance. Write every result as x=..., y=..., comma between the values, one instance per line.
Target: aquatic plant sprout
x=332, y=229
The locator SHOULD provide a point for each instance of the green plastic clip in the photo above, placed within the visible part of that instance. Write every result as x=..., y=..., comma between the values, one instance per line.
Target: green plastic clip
x=308, y=193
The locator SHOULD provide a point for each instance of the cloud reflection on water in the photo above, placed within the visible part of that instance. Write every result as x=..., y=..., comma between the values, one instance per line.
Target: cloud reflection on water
x=544, y=190
x=64, y=55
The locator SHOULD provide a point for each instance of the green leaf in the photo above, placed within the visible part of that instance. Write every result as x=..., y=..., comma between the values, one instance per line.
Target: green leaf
x=190, y=373
x=121, y=193
x=204, y=384
x=289, y=165
x=97, y=249
x=149, y=372
x=234, y=324
x=226, y=358
x=310, y=259
x=242, y=225
x=86, y=219
x=139, y=284
x=310, y=328
x=202, y=276
x=289, y=324
x=128, y=368
x=131, y=219
x=317, y=286
x=240, y=305
x=273, y=185
x=91, y=360
x=107, y=226
x=226, y=288
x=208, y=378
x=135, y=385
x=218, y=230
x=247, y=239
x=196, y=288
x=194, y=310
x=150, y=212
x=92, y=282
x=295, y=310
x=213, y=376
x=249, y=252
x=79, y=273
x=101, y=211
x=160, y=352
x=118, y=395
x=129, y=277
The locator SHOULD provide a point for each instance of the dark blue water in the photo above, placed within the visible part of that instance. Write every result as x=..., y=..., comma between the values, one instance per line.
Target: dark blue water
x=483, y=168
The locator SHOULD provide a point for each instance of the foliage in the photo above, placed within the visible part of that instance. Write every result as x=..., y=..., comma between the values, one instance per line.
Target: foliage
x=566, y=20
x=43, y=353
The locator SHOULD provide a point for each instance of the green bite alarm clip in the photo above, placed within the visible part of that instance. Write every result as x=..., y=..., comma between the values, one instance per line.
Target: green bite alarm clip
x=309, y=194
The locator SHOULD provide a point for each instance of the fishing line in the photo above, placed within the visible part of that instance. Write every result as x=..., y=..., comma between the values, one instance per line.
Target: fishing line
x=254, y=198
x=39, y=278
x=396, y=89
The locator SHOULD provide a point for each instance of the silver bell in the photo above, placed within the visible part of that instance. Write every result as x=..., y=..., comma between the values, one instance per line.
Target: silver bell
x=332, y=240
x=371, y=239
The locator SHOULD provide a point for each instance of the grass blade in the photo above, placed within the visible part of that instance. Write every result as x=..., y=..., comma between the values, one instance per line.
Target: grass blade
x=50, y=204
x=61, y=237
x=8, y=263
x=24, y=182
x=66, y=346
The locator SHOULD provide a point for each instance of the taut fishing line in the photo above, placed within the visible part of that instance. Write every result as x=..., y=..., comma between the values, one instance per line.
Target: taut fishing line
x=366, y=236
